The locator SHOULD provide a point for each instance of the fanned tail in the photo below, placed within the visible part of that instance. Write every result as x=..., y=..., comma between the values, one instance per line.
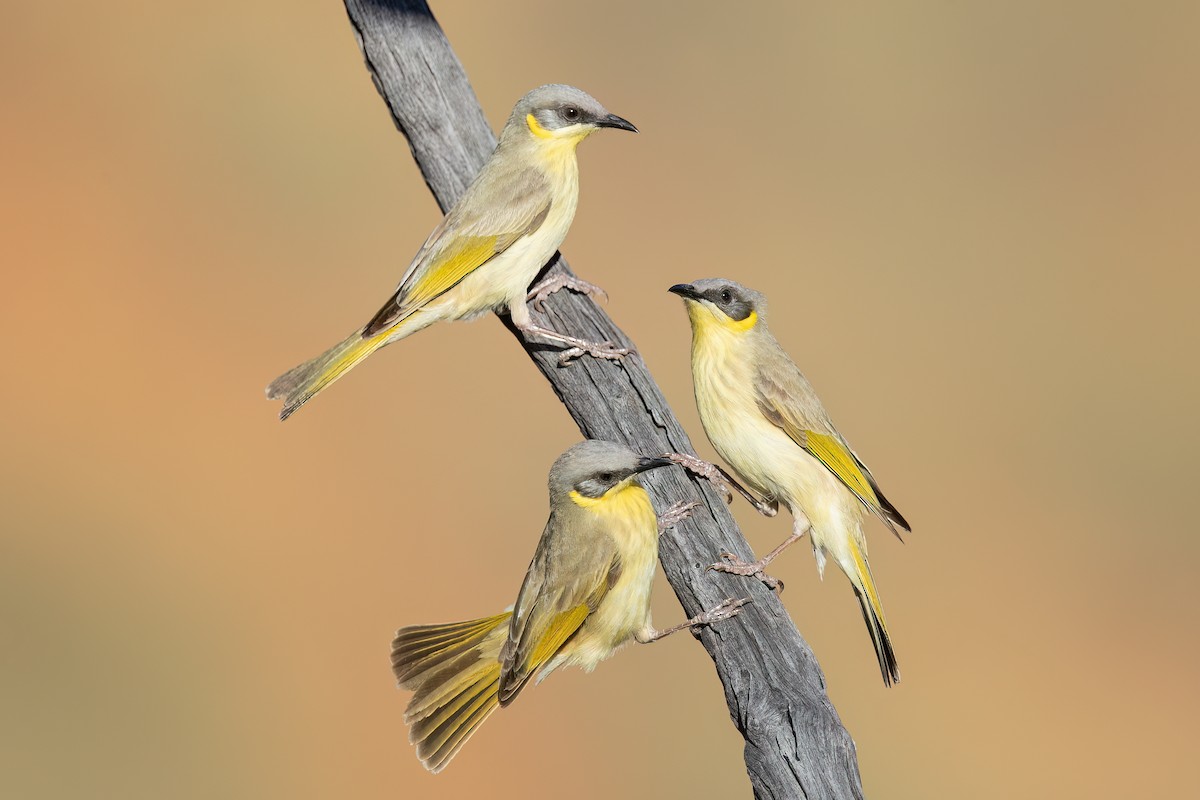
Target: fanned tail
x=300, y=384
x=872, y=611
x=454, y=672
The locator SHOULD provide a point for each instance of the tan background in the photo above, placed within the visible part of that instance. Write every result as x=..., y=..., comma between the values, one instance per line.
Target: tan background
x=976, y=222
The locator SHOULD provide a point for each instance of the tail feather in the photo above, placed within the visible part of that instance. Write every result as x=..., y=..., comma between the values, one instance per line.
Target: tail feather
x=439, y=738
x=444, y=691
x=872, y=611
x=890, y=515
x=421, y=648
x=881, y=640
x=301, y=383
x=454, y=673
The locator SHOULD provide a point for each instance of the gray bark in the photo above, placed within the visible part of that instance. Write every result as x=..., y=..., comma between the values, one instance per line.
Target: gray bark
x=796, y=745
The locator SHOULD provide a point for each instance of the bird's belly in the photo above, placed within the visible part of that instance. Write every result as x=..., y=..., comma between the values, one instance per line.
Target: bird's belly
x=623, y=611
x=773, y=464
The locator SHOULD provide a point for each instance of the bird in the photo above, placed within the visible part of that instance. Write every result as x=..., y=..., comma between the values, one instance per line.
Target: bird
x=765, y=420
x=586, y=593
x=490, y=245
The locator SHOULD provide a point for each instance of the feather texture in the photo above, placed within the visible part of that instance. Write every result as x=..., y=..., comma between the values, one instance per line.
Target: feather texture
x=454, y=672
x=788, y=400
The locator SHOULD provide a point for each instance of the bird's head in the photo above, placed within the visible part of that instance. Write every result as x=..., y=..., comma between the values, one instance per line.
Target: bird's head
x=559, y=113
x=721, y=304
x=594, y=472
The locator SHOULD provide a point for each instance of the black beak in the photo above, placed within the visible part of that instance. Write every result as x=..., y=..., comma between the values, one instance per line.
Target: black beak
x=652, y=463
x=613, y=121
x=685, y=290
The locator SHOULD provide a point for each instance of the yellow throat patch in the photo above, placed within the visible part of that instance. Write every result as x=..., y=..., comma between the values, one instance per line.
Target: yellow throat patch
x=705, y=320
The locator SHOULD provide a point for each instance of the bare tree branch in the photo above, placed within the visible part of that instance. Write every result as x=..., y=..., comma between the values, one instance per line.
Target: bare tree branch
x=795, y=743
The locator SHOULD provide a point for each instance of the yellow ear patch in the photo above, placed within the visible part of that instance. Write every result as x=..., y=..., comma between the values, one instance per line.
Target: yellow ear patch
x=563, y=139
x=536, y=129
x=583, y=501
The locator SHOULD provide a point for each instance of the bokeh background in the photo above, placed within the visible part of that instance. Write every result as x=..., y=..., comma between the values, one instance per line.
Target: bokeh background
x=977, y=223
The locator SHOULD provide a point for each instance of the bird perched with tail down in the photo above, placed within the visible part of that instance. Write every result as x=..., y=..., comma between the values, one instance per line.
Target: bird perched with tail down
x=490, y=245
x=586, y=593
x=764, y=419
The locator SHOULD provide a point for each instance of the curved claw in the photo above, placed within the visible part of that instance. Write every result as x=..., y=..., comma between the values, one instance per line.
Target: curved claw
x=719, y=567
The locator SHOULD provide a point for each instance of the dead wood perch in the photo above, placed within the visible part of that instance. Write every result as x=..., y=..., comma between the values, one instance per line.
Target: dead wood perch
x=795, y=743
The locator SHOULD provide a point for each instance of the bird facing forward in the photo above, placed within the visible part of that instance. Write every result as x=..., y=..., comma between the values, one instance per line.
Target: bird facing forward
x=489, y=247
x=765, y=420
x=586, y=593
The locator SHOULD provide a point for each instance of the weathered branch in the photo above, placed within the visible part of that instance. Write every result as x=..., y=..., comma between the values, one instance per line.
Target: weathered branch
x=795, y=743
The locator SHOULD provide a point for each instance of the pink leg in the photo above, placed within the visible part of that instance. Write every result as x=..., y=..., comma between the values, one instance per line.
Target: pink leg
x=735, y=566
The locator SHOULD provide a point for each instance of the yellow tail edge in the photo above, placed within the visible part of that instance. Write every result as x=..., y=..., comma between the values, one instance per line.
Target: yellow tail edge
x=304, y=382
x=872, y=611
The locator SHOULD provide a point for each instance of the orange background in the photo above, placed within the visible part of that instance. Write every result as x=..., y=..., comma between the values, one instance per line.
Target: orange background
x=977, y=226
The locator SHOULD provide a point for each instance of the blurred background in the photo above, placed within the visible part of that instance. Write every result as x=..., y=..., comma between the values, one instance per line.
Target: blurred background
x=977, y=227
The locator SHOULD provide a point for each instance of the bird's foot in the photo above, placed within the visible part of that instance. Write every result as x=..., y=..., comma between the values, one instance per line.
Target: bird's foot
x=539, y=292
x=728, y=609
x=595, y=350
x=675, y=514
x=701, y=468
x=753, y=569
x=576, y=347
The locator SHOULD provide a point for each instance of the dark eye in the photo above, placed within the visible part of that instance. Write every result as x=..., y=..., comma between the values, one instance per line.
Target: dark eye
x=726, y=296
x=605, y=477
x=571, y=113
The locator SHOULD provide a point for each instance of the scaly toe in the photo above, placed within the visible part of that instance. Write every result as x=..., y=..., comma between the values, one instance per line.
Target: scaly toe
x=569, y=355
x=735, y=566
x=728, y=609
x=731, y=607
x=676, y=514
